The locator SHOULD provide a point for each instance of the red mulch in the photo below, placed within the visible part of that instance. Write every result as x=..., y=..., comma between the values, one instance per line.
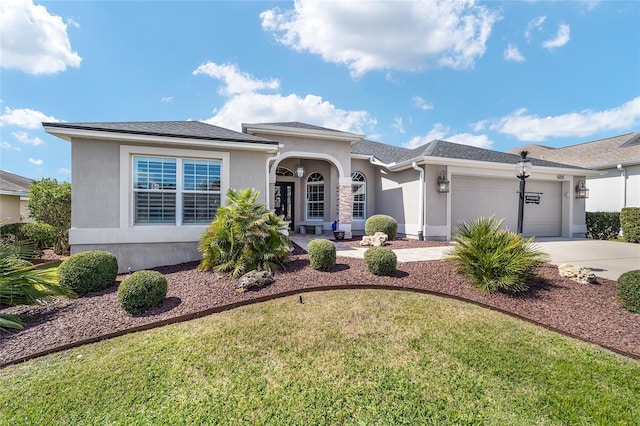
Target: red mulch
x=589, y=312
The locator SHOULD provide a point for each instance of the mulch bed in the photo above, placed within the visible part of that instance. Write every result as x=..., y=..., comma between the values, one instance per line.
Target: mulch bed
x=589, y=312
x=398, y=243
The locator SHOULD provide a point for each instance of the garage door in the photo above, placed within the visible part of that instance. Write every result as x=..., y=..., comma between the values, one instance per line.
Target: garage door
x=473, y=197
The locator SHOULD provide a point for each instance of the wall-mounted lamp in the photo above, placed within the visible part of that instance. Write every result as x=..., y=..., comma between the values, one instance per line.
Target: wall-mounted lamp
x=581, y=190
x=443, y=183
x=300, y=171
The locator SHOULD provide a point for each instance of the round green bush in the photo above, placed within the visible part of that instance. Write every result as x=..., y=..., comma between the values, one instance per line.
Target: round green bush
x=142, y=290
x=322, y=254
x=381, y=223
x=629, y=291
x=381, y=261
x=89, y=271
x=42, y=235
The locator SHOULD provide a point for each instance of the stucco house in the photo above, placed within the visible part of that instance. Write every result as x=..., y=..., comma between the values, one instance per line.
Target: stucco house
x=145, y=191
x=14, y=197
x=616, y=158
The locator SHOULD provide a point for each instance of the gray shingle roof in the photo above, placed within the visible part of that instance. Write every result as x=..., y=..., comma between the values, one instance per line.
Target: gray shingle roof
x=437, y=148
x=622, y=149
x=383, y=152
x=298, y=125
x=14, y=183
x=182, y=129
x=446, y=149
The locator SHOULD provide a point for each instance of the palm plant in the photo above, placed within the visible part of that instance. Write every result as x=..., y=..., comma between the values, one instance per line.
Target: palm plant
x=493, y=258
x=244, y=236
x=23, y=284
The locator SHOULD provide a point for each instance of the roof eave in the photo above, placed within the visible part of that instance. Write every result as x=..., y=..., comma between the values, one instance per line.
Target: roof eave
x=427, y=160
x=68, y=134
x=270, y=129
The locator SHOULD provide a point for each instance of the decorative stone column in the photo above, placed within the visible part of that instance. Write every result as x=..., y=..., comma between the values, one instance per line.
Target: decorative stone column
x=345, y=205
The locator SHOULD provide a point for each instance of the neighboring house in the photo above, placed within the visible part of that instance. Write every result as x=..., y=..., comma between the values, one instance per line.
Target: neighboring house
x=14, y=197
x=618, y=161
x=146, y=191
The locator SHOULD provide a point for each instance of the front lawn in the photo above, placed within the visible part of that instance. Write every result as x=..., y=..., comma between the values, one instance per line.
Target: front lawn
x=341, y=357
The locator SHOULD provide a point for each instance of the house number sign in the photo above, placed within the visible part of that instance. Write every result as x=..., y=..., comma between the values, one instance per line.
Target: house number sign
x=560, y=177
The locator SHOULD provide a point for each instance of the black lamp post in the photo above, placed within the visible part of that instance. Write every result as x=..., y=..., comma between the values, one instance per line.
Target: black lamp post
x=523, y=169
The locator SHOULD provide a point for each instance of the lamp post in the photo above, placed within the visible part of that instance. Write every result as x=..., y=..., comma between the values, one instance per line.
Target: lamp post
x=523, y=169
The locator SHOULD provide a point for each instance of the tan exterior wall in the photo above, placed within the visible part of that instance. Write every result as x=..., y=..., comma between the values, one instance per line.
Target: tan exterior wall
x=398, y=196
x=371, y=174
x=247, y=170
x=436, y=209
x=9, y=209
x=95, y=188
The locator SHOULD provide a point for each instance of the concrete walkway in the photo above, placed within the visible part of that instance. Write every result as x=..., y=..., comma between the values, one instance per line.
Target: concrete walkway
x=607, y=259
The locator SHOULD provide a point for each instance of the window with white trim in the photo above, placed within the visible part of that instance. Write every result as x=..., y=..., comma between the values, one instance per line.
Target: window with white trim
x=359, y=194
x=160, y=197
x=315, y=197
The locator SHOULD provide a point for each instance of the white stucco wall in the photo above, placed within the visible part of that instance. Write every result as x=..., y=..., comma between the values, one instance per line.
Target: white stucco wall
x=614, y=189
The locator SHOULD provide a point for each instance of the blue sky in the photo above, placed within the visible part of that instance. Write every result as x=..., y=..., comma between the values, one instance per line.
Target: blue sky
x=496, y=74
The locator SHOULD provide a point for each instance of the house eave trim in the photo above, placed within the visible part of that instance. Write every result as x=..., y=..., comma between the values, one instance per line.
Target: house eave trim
x=69, y=134
x=252, y=129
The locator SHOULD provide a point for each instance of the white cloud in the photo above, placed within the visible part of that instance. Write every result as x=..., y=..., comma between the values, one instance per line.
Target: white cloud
x=440, y=132
x=420, y=103
x=398, y=125
x=534, y=24
x=246, y=105
x=235, y=81
x=562, y=37
x=33, y=40
x=480, y=141
x=511, y=53
x=24, y=117
x=36, y=162
x=366, y=35
x=72, y=22
x=64, y=171
x=24, y=138
x=166, y=99
x=6, y=145
x=532, y=128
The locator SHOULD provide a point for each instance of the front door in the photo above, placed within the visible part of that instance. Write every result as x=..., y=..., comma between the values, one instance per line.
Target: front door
x=283, y=201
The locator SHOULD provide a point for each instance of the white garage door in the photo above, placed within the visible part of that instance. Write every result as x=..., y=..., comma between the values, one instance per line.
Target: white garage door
x=473, y=197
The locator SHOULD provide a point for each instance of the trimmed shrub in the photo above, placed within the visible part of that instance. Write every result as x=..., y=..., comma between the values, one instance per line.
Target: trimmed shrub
x=42, y=235
x=89, y=271
x=630, y=223
x=602, y=225
x=493, y=258
x=381, y=261
x=381, y=223
x=629, y=291
x=322, y=254
x=142, y=290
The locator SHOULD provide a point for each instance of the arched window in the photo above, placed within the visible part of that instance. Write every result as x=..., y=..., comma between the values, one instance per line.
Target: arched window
x=283, y=171
x=315, y=197
x=359, y=193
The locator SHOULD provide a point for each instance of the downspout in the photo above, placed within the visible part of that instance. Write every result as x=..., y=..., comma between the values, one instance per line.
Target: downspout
x=268, y=185
x=623, y=175
x=421, y=198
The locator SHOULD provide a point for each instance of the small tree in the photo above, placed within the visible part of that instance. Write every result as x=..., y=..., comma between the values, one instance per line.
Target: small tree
x=244, y=236
x=50, y=202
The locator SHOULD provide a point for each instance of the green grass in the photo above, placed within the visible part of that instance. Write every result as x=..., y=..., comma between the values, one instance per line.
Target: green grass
x=342, y=357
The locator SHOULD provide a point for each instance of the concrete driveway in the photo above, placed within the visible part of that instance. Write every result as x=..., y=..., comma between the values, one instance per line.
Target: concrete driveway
x=607, y=259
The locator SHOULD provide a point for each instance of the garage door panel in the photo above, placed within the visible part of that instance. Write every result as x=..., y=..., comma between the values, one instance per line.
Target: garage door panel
x=473, y=197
